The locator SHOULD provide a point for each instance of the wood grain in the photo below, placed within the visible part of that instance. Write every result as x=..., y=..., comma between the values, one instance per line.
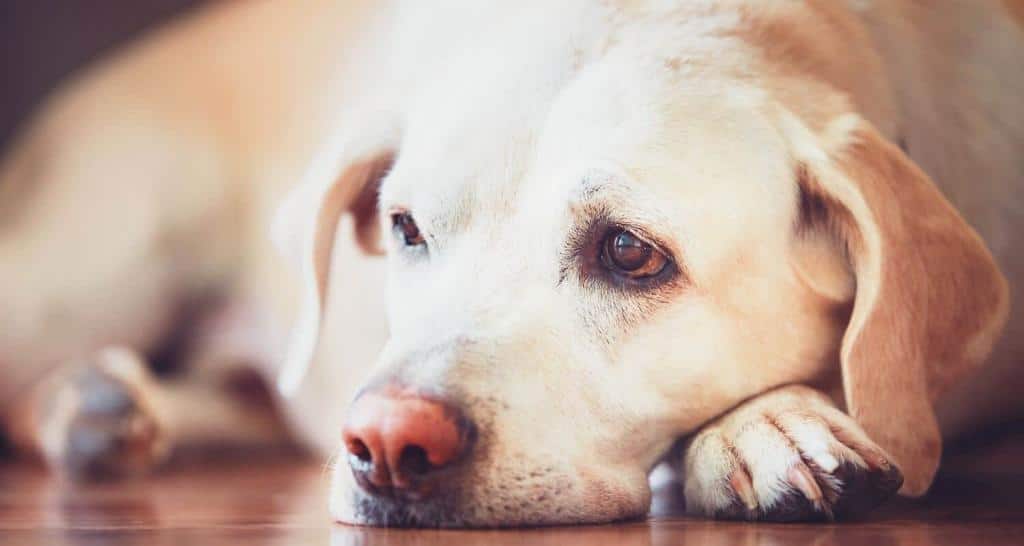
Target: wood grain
x=282, y=501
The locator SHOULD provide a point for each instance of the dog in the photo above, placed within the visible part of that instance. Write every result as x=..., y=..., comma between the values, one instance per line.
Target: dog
x=501, y=260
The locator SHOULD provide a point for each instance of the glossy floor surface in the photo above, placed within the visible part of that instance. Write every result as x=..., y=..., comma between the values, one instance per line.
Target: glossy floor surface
x=281, y=501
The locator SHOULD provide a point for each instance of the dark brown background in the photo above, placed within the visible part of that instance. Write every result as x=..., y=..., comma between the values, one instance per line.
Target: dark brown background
x=42, y=41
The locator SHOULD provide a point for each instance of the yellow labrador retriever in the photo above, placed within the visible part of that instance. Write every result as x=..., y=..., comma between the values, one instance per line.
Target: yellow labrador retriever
x=529, y=250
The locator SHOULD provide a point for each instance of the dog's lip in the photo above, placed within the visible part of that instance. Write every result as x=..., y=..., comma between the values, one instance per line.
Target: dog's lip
x=399, y=495
x=453, y=505
x=441, y=514
x=397, y=509
x=416, y=491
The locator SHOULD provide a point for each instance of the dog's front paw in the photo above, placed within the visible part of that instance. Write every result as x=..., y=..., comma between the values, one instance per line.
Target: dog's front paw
x=98, y=422
x=788, y=456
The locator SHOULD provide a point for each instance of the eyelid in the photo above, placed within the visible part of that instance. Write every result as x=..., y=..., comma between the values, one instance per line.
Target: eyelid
x=584, y=244
x=396, y=210
x=425, y=240
x=605, y=196
x=644, y=235
x=640, y=231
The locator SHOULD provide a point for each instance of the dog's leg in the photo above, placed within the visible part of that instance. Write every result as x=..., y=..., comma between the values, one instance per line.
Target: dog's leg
x=786, y=455
x=100, y=416
x=109, y=416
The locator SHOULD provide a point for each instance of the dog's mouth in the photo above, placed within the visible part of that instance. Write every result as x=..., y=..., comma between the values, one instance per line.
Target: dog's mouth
x=398, y=511
x=444, y=513
x=546, y=500
x=411, y=460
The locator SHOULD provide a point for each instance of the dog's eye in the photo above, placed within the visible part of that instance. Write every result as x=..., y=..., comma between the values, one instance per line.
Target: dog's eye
x=407, y=228
x=627, y=254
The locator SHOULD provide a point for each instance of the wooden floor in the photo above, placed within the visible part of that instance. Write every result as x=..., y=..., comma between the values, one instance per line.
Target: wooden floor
x=282, y=501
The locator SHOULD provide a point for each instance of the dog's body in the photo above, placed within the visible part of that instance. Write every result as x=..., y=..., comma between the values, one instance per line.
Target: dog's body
x=157, y=179
x=210, y=121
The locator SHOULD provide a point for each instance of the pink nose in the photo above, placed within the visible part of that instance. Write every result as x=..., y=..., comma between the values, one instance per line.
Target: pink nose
x=397, y=439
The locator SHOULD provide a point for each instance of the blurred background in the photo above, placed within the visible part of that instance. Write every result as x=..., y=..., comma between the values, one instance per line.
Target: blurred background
x=42, y=41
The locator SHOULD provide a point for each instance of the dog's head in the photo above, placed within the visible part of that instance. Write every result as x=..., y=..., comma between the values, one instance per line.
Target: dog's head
x=602, y=230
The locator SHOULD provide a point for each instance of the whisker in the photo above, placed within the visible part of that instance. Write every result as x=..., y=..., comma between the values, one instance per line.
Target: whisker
x=330, y=464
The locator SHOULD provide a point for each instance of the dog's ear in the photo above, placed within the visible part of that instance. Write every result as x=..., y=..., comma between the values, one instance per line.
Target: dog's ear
x=305, y=229
x=930, y=300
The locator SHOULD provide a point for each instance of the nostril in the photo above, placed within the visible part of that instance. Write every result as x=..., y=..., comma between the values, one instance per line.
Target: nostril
x=399, y=441
x=358, y=449
x=414, y=461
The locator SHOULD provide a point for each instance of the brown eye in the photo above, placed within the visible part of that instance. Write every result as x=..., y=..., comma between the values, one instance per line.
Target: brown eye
x=407, y=228
x=630, y=255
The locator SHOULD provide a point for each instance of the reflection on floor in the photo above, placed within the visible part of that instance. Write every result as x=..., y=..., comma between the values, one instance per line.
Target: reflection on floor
x=282, y=501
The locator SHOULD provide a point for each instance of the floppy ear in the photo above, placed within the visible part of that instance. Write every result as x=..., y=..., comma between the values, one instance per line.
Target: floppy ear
x=930, y=300
x=304, y=231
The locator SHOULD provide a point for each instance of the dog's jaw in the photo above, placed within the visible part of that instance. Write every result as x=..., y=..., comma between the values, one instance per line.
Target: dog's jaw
x=546, y=496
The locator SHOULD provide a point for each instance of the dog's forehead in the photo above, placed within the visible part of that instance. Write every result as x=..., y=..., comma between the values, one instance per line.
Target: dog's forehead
x=491, y=138
x=477, y=109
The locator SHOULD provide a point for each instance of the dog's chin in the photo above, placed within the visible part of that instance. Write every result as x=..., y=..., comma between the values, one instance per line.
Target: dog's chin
x=438, y=512
x=442, y=513
x=555, y=502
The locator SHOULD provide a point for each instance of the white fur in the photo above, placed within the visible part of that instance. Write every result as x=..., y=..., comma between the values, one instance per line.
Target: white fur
x=511, y=123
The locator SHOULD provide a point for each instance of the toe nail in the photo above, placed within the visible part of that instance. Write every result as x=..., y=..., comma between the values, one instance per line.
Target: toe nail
x=744, y=489
x=800, y=476
x=877, y=461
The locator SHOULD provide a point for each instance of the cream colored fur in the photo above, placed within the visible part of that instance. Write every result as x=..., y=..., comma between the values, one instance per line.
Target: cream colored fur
x=164, y=174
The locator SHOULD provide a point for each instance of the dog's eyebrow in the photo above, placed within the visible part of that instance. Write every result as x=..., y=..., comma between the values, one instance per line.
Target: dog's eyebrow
x=615, y=198
x=620, y=197
x=453, y=215
x=592, y=185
